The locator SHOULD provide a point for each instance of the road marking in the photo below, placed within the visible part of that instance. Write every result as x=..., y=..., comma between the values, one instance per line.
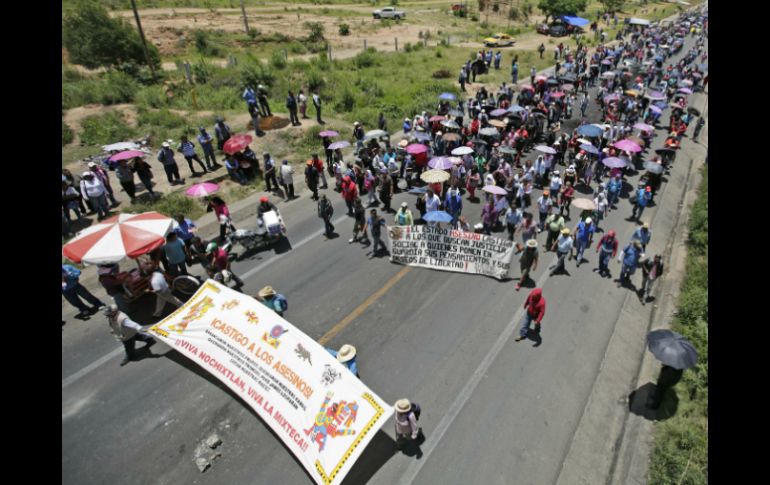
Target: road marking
x=104, y=359
x=363, y=306
x=465, y=393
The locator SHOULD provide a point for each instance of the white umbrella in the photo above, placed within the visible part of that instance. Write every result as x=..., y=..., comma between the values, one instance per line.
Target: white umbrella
x=460, y=151
x=124, y=145
x=375, y=134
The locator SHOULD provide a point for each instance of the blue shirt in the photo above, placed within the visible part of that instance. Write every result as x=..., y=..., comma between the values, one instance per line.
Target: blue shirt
x=188, y=148
x=585, y=232
x=642, y=197
x=642, y=236
x=175, y=251
x=184, y=230
x=205, y=141
x=631, y=255
x=71, y=275
x=351, y=364
x=614, y=185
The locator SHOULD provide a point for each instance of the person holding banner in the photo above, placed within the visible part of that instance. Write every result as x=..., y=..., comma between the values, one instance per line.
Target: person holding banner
x=375, y=224
x=454, y=204
x=274, y=301
x=406, y=422
x=347, y=357
x=404, y=216
x=528, y=262
x=126, y=331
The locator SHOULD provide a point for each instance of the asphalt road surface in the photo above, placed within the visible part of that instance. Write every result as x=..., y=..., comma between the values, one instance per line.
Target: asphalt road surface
x=494, y=411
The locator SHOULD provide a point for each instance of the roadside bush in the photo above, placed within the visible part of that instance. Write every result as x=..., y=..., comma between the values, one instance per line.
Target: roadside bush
x=204, y=46
x=111, y=88
x=201, y=71
x=66, y=134
x=442, y=74
x=474, y=17
x=316, y=30
x=253, y=73
x=104, y=129
x=365, y=59
x=346, y=103
x=344, y=29
x=171, y=205
x=315, y=80
x=152, y=97
x=278, y=61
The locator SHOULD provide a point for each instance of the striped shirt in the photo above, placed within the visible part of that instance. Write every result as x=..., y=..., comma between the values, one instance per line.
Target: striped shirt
x=188, y=148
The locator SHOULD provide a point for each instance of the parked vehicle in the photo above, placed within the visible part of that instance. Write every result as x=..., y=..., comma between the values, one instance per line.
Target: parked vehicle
x=499, y=40
x=389, y=13
x=269, y=231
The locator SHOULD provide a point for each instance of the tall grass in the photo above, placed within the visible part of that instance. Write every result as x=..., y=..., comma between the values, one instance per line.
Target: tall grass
x=104, y=129
x=110, y=88
x=680, y=454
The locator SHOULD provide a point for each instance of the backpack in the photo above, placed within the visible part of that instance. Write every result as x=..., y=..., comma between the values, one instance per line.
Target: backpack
x=416, y=410
x=281, y=302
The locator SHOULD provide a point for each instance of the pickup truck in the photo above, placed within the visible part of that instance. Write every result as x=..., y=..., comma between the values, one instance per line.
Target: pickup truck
x=389, y=13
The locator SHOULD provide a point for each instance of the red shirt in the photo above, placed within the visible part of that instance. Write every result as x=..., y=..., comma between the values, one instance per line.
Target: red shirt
x=535, y=305
x=318, y=165
x=220, y=259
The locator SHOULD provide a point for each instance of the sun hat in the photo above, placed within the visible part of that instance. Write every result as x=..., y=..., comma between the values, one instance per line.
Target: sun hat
x=565, y=231
x=266, y=291
x=403, y=406
x=165, y=144
x=532, y=243
x=92, y=164
x=646, y=225
x=403, y=143
x=404, y=205
x=589, y=220
x=347, y=352
x=87, y=174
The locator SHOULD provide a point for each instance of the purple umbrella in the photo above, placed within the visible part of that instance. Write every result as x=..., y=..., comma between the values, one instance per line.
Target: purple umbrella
x=328, y=134
x=339, y=144
x=494, y=189
x=655, y=95
x=545, y=149
x=498, y=112
x=606, y=62
x=441, y=163
x=655, y=109
x=685, y=90
x=613, y=162
x=644, y=127
x=627, y=146
x=589, y=148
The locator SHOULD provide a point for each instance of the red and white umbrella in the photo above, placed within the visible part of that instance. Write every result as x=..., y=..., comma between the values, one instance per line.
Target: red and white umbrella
x=114, y=239
x=202, y=190
x=236, y=143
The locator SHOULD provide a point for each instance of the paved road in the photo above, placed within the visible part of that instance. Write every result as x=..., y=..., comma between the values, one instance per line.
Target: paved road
x=495, y=411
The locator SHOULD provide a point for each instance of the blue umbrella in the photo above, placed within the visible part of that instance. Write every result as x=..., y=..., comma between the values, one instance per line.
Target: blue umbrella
x=437, y=216
x=516, y=108
x=589, y=130
x=418, y=190
x=447, y=96
x=421, y=136
x=589, y=148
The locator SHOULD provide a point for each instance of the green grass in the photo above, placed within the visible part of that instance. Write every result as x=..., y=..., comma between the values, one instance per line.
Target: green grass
x=170, y=205
x=680, y=454
x=66, y=134
x=108, y=88
x=104, y=129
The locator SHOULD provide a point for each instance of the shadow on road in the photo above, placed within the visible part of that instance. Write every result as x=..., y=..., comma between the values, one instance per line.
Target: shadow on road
x=637, y=403
x=377, y=453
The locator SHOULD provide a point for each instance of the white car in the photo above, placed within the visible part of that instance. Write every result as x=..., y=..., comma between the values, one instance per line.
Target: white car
x=389, y=13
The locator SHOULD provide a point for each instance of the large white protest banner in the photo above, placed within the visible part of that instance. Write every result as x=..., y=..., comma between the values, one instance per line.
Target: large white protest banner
x=451, y=250
x=319, y=409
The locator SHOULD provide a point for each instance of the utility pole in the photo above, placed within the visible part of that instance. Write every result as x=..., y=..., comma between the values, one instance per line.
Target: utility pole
x=144, y=41
x=245, y=21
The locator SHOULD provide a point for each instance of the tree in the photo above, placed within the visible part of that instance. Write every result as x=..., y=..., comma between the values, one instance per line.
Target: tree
x=94, y=39
x=612, y=6
x=555, y=8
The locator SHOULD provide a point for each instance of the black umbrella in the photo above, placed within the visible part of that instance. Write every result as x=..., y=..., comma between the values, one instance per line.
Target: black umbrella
x=479, y=141
x=654, y=167
x=672, y=349
x=693, y=111
x=665, y=151
x=552, y=82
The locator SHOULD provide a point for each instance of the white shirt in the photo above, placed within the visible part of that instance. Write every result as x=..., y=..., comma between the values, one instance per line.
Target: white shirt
x=302, y=99
x=158, y=282
x=287, y=174
x=91, y=189
x=432, y=203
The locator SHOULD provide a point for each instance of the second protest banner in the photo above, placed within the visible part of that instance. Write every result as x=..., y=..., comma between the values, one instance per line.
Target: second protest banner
x=324, y=415
x=451, y=250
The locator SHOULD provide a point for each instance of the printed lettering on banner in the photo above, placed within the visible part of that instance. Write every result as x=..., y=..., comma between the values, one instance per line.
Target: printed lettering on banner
x=320, y=410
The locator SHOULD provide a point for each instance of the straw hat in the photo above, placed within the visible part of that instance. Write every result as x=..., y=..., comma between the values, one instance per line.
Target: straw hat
x=646, y=225
x=266, y=291
x=403, y=406
x=565, y=231
x=532, y=243
x=347, y=352
x=403, y=143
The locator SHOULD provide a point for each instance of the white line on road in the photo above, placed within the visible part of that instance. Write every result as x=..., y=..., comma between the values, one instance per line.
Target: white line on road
x=103, y=360
x=465, y=393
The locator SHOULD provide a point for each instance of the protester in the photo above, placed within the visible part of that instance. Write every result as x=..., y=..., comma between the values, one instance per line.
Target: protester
x=127, y=332
x=527, y=262
x=404, y=216
x=584, y=236
x=162, y=291
x=187, y=149
x=535, y=311
x=406, y=418
x=219, y=261
x=607, y=248
x=104, y=178
x=274, y=301
x=311, y=179
x=125, y=176
x=652, y=269
x=144, y=172
x=208, y=149
x=375, y=224
x=325, y=212
x=92, y=189
x=349, y=192
x=630, y=257
x=166, y=157
x=360, y=222
x=72, y=291
x=347, y=357
x=287, y=179
x=563, y=246
x=643, y=234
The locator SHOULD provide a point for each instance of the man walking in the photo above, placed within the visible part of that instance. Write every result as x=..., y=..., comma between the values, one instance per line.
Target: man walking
x=461, y=80
x=527, y=262
x=554, y=223
x=325, y=212
x=360, y=222
x=270, y=181
x=544, y=204
x=541, y=50
x=73, y=290
x=643, y=197
x=375, y=223
x=584, y=235
x=162, y=292
x=563, y=247
x=698, y=128
x=311, y=179
x=607, y=248
x=651, y=271
x=318, y=164
x=630, y=259
x=187, y=149
x=349, y=192
x=287, y=179
x=262, y=98
x=176, y=253
x=535, y=310
x=514, y=72
x=643, y=235
x=127, y=332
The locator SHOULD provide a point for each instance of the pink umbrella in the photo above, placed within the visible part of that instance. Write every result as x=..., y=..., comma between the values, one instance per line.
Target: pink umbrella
x=202, y=190
x=655, y=109
x=339, y=144
x=416, y=148
x=685, y=90
x=567, y=87
x=328, y=134
x=527, y=87
x=436, y=118
x=236, y=143
x=499, y=112
x=127, y=155
x=644, y=127
x=494, y=189
x=540, y=78
x=557, y=94
x=441, y=163
x=614, y=162
x=627, y=146
x=121, y=236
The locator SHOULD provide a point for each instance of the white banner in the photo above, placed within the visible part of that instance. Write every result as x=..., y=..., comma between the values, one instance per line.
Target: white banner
x=321, y=411
x=451, y=250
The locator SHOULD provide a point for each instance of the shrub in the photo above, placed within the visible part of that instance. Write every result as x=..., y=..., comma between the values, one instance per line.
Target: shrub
x=66, y=134
x=253, y=73
x=94, y=39
x=112, y=88
x=513, y=13
x=315, y=80
x=201, y=71
x=442, y=74
x=344, y=29
x=171, y=205
x=367, y=58
x=104, y=129
x=204, y=46
x=346, y=103
x=474, y=17
x=278, y=61
x=316, y=30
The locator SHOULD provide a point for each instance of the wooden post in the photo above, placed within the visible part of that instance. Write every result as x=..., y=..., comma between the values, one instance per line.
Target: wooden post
x=144, y=41
x=329, y=46
x=245, y=20
x=396, y=44
x=364, y=44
